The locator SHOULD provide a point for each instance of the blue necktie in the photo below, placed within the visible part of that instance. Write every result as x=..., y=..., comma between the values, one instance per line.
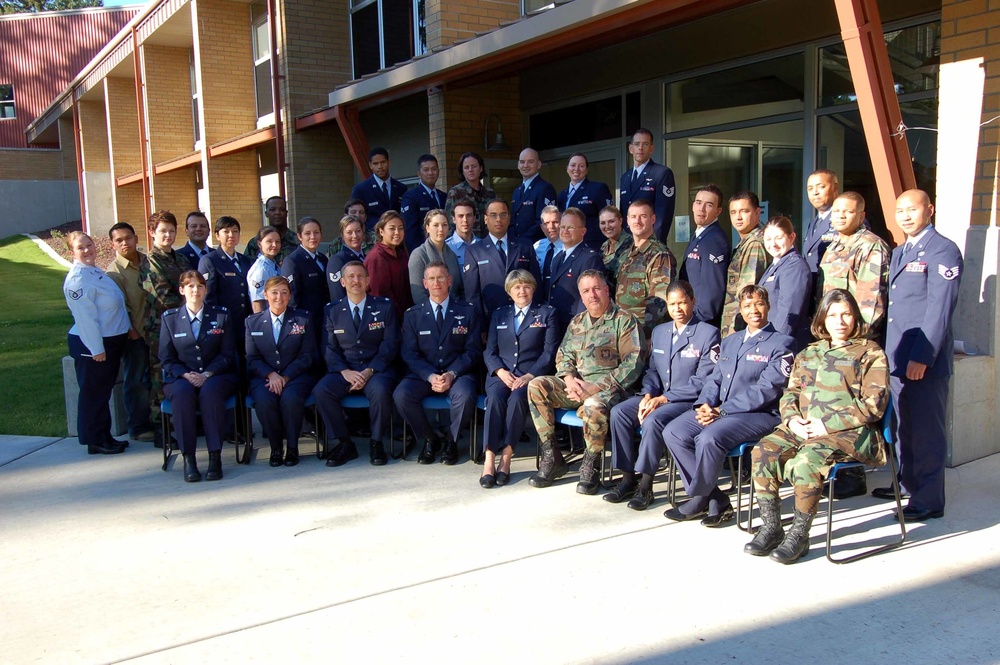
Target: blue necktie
x=195, y=326
x=277, y=329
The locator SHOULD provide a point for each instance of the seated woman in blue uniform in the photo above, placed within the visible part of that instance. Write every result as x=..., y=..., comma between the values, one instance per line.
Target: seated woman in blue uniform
x=521, y=344
x=830, y=413
x=788, y=282
x=198, y=352
x=682, y=356
x=264, y=267
x=281, y=349
x=738, y=403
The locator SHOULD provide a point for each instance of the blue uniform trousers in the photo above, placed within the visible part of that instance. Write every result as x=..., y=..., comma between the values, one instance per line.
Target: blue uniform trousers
x=506, y=414
x=210, y=399
x=921, y=443
x=699, y=452
x=333, y=387
x=96, y=381
x=411, y=391
x=281, y=415
x=625, y=420
x=135, y=383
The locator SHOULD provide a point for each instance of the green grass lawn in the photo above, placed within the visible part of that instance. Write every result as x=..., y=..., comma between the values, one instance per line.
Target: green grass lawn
x=33, y=324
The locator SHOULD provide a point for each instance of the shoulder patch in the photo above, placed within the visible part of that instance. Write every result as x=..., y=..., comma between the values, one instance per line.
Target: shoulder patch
x=786, y=363
x=290, y=278
x=335, y=276
x=76, y=295
x=948, y=273
x=714, y=353
x=668, y=191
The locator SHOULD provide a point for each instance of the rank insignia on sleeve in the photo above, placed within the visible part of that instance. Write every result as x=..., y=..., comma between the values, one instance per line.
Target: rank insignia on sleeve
x=948, y=273
x=668, y=191
x=205, y=275
x=290, y=278
x=786, y=364
x=335, y=276
x=713, y=353
x=256, y=285
x=76, y=295
x=716, y=259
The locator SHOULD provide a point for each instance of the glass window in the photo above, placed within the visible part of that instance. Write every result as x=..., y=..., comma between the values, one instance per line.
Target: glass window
x=261, y=36
x=582, y=123
x=914, y=55
x=385, y=33
x=7, y=101
x=532, y=6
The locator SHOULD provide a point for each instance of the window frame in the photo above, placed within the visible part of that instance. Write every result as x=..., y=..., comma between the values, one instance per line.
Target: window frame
x=8, y=103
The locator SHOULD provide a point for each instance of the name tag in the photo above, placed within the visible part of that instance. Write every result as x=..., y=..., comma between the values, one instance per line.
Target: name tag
x=338, y=332
x=690, y=352
x=230, y=274
x=482, y=262
x=757, y=358
x=503, y=327
x=312, y=274
x=660, y=351
x=916, y=266
x=256, y=333
x=425, y=332
x=180, y=334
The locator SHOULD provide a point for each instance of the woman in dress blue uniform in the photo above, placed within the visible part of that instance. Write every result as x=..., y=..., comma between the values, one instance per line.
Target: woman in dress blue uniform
x=738, y=403
x=352, y=241
x=683, y=356
x=433, y=249
x=198, y=352
x=589, y=196
x=225, y=272
x=281, y=348
x=521, y=344
x=96, y=341
x=788, y=283
x=305, y=269
x=264, y=267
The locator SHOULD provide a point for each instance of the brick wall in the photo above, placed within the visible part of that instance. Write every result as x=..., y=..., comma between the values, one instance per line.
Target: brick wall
x=316, y=56
x=176, y=191
x=94, y=136
x=321, y=176
x=168, y=101
x=457, y=118
x=123, y=126
x=225, y=58
x=128, y=208
x=971, y=29
x=451, y=20
x=234, y=189
x=37, y=164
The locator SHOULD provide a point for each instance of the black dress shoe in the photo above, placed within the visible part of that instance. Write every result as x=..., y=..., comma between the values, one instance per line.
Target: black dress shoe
x=112, y=441
x=450, y=454
x=676, y=515
x=292, y=457
x=641, y=499
x=623, y=490
x=104, y=449
x=277, y=459
x=919, y=514
x=427, y=454
x=376, y=454
x=502, y=478
x=887, y=493
x=191, y=472
x=720, y=520
x=342, y=453
x=214, y=465
x=487, y=481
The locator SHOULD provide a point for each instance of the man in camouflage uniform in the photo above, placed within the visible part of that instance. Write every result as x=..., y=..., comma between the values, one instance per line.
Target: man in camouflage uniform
x=276, y=212
x=646, y=271
x=857, y=261
x=749, y=261
x=597, y=362
x=160, y=276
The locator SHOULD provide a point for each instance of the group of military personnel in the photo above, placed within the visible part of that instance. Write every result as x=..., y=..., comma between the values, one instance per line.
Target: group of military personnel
x=618, y=299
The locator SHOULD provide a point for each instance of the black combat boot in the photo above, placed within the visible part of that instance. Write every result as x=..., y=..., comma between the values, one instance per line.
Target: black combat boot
x=214, y=465
x=770, y=533
x=589, y=474
x=552, y=466
x=191, y=472
x=796, y=542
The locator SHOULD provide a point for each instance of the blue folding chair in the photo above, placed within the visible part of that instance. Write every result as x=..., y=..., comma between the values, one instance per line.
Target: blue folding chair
x=359, y=401
x=832, y=477
x=167, y=413
x=318, y=436
x=735, y=460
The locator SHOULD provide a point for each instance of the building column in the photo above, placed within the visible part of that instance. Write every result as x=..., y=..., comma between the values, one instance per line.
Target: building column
x=123, y=142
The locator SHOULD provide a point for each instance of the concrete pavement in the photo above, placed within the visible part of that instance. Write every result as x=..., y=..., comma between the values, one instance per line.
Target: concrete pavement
x=109, y=559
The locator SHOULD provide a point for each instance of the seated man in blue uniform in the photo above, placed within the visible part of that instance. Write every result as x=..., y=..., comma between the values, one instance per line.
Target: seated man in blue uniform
x=489, y=261
x=380, y=192
x=650, y=181
x=533, y=194
x=362, y=340
x=706, y=258
x=420, y=200
x=683, y=356
x=441, y=347
x=738, y=403
x=567, y=266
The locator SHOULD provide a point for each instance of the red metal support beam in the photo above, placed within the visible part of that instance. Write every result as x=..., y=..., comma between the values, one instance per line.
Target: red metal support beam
x=279, y=136
x=354, y=136
x=868, y=57
x=140, y=108
x=78, y=144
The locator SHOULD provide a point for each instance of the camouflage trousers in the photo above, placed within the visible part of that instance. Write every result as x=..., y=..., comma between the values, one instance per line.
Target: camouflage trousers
x=548, y=393
x=803, y=463
x=155, y=379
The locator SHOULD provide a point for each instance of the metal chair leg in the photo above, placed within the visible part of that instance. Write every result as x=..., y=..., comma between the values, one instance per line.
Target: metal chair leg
x=167, y=451
x=875, y=550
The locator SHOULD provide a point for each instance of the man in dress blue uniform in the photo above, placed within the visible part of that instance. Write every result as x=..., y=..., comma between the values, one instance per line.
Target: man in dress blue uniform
x=420, y=200
x=225, y=272
x=380, y=192
x=923, y=291
x=197, y=228
x=547, y=248
x=648, y=180
x=441, y=347
x=706, y=258
x=567, y=266
x=530, y=197
x=362, y=340
x=488, y=262
x=822, y=188
x=589, y=196
x=738, y=403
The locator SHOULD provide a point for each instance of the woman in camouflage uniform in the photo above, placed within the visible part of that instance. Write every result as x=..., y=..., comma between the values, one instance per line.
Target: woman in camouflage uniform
x=830, y=412
x=471, y=187
x=617, y=245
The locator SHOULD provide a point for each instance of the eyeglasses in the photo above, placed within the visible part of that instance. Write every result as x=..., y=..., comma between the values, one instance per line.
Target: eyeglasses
x=498, y=215
x=569, y=228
